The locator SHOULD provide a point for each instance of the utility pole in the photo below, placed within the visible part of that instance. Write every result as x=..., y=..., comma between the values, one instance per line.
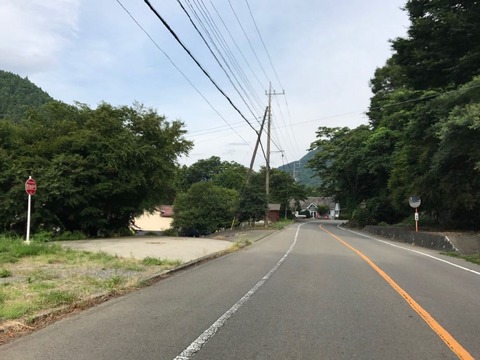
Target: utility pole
x=269, y=127
x=256, y=146
x=295, y=168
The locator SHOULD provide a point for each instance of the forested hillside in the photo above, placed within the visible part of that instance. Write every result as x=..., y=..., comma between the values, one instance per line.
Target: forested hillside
x=96, y=169
x=18, y=95
x=424, y=133
x=300, y=172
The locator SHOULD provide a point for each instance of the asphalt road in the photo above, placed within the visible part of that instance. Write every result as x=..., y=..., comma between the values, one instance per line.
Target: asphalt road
x=302, y=293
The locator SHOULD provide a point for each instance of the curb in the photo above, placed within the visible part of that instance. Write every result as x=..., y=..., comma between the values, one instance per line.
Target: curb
x=97, y=299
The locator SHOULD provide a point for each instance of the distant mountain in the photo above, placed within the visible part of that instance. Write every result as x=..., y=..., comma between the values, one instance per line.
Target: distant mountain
x=18, y=94
x=300, y=172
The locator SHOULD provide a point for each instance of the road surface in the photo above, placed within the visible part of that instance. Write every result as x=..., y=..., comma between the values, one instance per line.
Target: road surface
x=311, y=291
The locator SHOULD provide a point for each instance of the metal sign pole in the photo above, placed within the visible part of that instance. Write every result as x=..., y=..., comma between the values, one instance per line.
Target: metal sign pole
x=30, y=188
x=416, y=219
x=415, y=202
x=28, y=218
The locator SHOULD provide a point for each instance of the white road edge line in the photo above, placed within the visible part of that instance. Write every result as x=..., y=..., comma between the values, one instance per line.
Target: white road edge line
x=415, y=251
x=196, y=345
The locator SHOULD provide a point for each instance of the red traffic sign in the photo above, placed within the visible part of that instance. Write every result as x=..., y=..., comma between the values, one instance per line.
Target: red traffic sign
x=30, y=186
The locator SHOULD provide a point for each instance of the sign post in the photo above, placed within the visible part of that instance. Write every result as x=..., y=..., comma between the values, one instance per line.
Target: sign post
x=415, y=202
x=30, y=188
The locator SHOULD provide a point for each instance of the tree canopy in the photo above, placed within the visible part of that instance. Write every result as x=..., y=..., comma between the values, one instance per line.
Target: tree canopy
x=96, y=169
x=204, y=208
x=424, y=125
x=227, y=174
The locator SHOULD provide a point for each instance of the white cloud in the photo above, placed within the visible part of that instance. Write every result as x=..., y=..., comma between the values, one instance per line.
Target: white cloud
x=34, y=32
x=325, y=52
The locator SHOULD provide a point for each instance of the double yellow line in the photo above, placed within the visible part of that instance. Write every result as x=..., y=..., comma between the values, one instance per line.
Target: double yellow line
x=448, y=339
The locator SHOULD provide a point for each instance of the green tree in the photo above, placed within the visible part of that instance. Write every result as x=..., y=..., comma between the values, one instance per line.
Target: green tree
x=431, y=135
x=442, y=48
x=341, y=164
x=204, y=208
x=96, y=169
x=252, y=204
x=282, y=189
x=230, y=175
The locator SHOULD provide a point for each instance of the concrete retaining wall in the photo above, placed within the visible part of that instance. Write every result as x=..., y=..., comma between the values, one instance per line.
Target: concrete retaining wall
x=428, y=240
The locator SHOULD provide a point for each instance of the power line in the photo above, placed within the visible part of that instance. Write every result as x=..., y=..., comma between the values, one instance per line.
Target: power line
x=263, y=43
x=248, y=39
x=236, y=45
x=223, y=44
x=215, y=56
x=197, y=62
x=180, y=71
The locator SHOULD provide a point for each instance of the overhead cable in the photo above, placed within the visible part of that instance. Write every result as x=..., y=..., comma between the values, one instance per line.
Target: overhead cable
x=181, y=72
x=197, y=62
x=216, y=58
x=248, y=39
x=263, y=43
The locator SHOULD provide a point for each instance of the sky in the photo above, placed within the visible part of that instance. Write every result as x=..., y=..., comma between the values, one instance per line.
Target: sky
x=318, y=56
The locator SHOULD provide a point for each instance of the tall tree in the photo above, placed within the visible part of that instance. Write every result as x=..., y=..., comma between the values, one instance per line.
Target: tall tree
x=442, y=48
x=96, y=169
x=223, y=173
x=204, y=208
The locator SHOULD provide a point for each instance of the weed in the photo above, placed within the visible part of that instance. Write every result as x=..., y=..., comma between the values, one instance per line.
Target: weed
x=280, y=224
x=14, y=310
x=4, y=273
x=42, y=236
x=151, y=261
x=473, y=258
x=67, y=236
x=113, y=282
x=40, y=286
x=56, y=298
x=237, y=245
x=13, y=249
x=48, y=275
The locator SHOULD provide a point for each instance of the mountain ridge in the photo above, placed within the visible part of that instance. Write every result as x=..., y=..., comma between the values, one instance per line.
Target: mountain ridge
x=299, y=171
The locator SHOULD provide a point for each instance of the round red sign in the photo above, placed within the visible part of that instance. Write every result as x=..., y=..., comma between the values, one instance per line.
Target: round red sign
x=30, y=186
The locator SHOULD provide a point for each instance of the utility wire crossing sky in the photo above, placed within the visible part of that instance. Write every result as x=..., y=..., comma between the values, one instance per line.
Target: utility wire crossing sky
x=210, y=63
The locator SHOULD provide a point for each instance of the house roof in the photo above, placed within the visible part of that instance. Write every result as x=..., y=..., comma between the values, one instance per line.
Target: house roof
x=166, y=211
x=318, y=201
x=274, y=207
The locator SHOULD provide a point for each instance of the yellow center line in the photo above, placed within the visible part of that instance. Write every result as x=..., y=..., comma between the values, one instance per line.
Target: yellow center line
x=448, y=339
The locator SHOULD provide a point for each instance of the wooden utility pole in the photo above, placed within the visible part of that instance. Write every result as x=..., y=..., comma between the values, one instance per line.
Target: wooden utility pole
x=269, y=127
x=256, y=146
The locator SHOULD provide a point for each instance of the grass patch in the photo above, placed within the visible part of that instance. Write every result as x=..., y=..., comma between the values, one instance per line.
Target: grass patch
x=15, y=310
x=151, y=261
x=14, y=249
x=239, y=244
x=47, y=276
x=4, y=273
x=280, y=224
x=473, y=258
x=55, y=298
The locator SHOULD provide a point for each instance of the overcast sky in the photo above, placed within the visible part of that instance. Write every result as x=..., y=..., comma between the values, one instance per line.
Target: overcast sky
x=324, y=53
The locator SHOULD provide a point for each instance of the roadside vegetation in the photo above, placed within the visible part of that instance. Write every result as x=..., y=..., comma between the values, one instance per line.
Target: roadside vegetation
x=44, y=276
x=473, y=258
x=423, y=127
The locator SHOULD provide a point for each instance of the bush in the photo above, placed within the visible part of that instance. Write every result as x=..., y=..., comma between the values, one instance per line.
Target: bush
x=4, y=273
x=204, y=208
x=41, y=236
x=361, y=218
x=71, y=235
x=170, y=232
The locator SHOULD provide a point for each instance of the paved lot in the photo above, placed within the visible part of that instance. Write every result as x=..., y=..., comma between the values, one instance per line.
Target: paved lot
x=172, y=248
